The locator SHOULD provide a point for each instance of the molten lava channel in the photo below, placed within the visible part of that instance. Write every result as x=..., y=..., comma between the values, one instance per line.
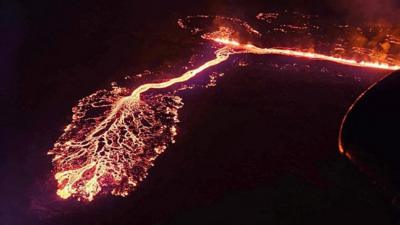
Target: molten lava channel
x=249, y=48
x=113, y=150
x=114, y=137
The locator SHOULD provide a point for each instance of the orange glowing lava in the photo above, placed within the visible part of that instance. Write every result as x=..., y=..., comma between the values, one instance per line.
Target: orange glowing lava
x=221, y=55
x=114, y=137
x=249, y=48
x=112, y=150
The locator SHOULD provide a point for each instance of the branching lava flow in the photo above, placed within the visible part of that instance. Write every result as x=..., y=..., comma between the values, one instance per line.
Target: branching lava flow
x=115, y=136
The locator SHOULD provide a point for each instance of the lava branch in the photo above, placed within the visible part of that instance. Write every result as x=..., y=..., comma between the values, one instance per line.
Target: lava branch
x=249, y=48
x=221, y=55
x=114, y=153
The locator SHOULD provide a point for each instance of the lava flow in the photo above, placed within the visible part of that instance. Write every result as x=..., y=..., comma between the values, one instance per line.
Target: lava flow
x=295, y=53
x=115, y=136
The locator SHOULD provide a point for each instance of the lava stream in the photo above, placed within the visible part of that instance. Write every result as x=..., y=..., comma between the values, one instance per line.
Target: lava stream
x=114, y=137
x=249, y=48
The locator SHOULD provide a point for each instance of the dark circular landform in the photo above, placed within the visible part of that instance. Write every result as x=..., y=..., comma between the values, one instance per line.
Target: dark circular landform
x=370, y=132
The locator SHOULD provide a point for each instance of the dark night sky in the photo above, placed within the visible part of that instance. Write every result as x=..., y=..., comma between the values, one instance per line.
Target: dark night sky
x=260, y=148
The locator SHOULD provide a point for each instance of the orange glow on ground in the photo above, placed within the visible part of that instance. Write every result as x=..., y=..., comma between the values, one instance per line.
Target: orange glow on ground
x=100, y=157
x=249, y=48
x=221, y=55
x=90, y=159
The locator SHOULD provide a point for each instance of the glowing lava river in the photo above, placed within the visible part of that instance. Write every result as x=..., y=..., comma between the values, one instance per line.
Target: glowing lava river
x=115, y=136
